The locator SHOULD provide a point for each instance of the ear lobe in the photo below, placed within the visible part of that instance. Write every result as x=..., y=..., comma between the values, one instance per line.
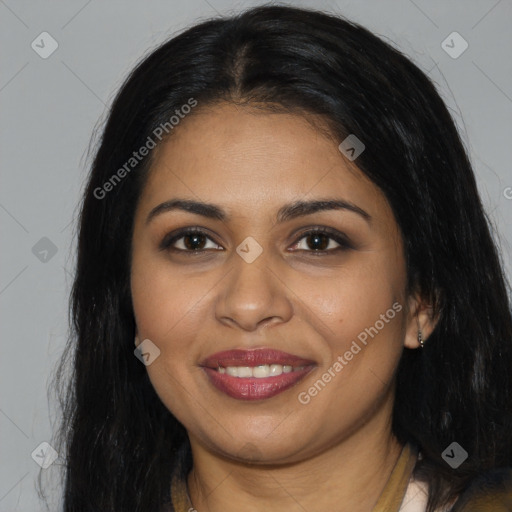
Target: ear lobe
x=420, y=317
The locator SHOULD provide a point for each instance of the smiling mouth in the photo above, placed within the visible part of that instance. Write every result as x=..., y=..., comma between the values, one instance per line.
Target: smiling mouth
x=255, y=374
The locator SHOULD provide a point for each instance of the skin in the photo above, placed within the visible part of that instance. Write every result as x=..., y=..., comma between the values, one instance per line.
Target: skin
x=337, y=451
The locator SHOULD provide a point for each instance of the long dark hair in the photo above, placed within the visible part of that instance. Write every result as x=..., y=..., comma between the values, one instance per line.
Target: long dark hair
x=120, y=442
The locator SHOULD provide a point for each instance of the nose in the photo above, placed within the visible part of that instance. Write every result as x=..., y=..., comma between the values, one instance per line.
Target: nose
x=252, y=295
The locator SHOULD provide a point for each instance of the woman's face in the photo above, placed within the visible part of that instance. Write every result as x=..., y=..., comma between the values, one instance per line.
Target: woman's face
x=259, y=283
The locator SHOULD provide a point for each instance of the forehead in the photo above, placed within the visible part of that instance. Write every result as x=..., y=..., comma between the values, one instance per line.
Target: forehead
x=253, y=160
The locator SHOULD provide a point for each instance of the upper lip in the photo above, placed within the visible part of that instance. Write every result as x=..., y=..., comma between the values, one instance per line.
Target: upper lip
x=254, y=357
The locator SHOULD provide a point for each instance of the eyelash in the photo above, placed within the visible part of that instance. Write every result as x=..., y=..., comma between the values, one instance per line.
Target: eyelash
x=339, y=238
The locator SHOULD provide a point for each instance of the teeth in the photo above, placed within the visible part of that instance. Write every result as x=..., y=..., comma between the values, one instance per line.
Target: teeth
x=259, y=372
x=244, y=371
x=276, y=369
x=232, y=370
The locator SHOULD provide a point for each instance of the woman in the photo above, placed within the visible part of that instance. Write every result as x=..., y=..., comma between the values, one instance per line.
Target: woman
x=282, y=221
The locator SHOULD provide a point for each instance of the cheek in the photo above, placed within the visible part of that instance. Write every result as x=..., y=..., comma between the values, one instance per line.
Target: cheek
x=349, y=300
x=164, y=300
x=359, y=313
x=167, y=311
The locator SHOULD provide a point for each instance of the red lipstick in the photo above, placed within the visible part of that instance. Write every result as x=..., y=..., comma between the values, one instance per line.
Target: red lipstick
x=232, y=371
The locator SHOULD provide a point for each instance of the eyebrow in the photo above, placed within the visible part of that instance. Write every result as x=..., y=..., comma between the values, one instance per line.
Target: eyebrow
x=285, y=213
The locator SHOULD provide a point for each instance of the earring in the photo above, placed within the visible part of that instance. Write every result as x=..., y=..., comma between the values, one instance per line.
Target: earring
x=420, y=339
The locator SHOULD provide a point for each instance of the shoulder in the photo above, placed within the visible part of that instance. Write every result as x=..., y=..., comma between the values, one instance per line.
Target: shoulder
x=491, y=491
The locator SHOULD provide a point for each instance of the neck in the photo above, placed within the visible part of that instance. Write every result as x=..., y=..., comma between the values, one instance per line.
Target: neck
x=347, y=476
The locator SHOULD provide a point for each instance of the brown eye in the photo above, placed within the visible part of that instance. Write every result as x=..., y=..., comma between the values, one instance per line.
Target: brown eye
x=189, y=241
x=317, y=241
x=194, y=241
x=322, y=241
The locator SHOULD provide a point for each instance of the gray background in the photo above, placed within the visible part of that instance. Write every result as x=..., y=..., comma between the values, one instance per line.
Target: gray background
x=50, y=107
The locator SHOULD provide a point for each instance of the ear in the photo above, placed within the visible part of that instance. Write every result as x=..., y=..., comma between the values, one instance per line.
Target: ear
x=419, y=316
x=137, y=341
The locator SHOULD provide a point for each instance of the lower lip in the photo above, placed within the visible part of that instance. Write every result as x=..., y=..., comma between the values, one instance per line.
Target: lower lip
x=250, y=388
